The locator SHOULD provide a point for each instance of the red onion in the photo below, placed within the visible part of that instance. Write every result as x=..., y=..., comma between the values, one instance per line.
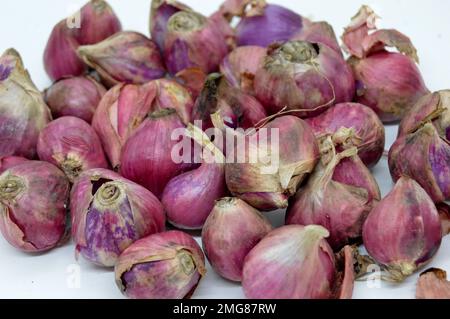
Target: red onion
x=193, y=41
x=434, y=107
x=240, y=66
x=433, y=284
x=230, y=232
x=425, y=157
x=161, y=11
x=97, y=22
x=338, y=196
x=23, y=112
x=319, y=32
x=109, y=213
x=305, y=76
x=197, y=189
x=32, y=206
x=296, y=158
x=124, y=108
x=388, y=82
x=265, y=24
x=217, y=96
x=369, y=131
x=75, y=96
x=162, y=266
x=72, y=145
x=10, y=161
x=128, y=57
x=152, y=166
x=295, y=262
x=403, y=232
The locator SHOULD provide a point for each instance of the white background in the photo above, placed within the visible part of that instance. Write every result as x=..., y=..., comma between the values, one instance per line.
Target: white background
x=25, y=25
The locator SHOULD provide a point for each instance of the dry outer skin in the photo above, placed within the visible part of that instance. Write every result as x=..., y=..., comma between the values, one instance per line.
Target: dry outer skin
x=433, y=284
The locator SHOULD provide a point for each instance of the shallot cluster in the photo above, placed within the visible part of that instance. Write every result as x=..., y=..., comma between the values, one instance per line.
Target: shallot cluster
x=207, y=123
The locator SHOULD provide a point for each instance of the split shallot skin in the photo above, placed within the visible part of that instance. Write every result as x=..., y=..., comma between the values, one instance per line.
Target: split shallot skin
x=240, y=66
x=424, y=156
x=369, y=130
x=125, y=57
x=268, y=186
x=97, y=22
x=303, y=77
x=388, y=82
x=33, y=196
x=338, y=196
x=168, y=265
x=217, y=97
x=109, y=213
x=23, y=112
x=72, y=145
x=152, y=166
x=296, y=262
x=403, y=232
x=126, y=106
x=231, y=231
x=75, y=96
x=433, y=108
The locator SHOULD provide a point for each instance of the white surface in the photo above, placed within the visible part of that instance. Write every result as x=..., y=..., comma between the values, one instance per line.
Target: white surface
x=26, y=25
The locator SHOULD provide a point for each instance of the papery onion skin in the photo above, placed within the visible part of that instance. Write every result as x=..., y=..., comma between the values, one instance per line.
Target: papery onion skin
x=231, y=231
x=193, y=79
x=369, y=129
x=304, y=76
x=72, y=145
x=33, y=196
x=240, y=66
x=239, y=109
x=433, y=107
x=75, y=96
x=97, y=22
x=425, y=157
x=403, y=232
x=8, y=162
x=168, y=265
x=274, y=24
x=152, y=166
x=433, y=284
x=319, y=32
x=109, y=213
x=125, y=57
x=193, y=41
x=23, y=112
x=272, y=191
x=338, y=196
x=388, y=82
x=291, y=262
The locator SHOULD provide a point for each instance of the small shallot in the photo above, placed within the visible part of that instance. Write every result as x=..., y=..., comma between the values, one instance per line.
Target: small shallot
x=168, y=265
x=230, y=233
x=109, y=213
x=72, y=145
x=403, y=232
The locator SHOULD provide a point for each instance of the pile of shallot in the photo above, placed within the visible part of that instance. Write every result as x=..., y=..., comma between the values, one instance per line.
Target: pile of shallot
x=209, y=124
